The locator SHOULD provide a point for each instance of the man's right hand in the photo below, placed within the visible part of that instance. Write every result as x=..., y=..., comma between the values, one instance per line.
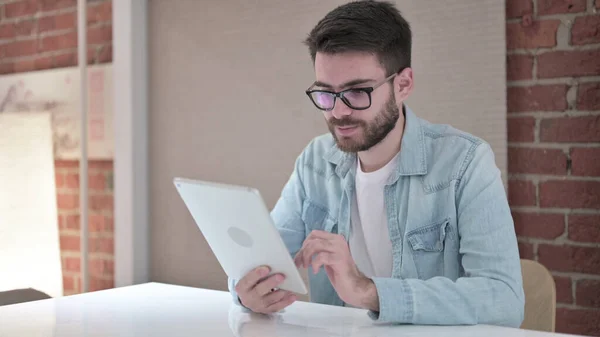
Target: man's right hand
x=257, y=294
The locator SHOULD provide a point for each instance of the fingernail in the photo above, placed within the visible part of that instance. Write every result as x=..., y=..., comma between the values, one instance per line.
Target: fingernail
x=263, y=271
x=279, y=278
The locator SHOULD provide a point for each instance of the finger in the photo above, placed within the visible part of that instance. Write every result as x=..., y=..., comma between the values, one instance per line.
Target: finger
x=314, y=247
x=322, y=234
x=278, y=306
x=264, y=287
x=271, y=298
x=248, y=282
x=322, y=259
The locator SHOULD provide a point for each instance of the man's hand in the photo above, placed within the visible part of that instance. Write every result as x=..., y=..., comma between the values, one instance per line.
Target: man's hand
x=332, y=252
x=257, y=294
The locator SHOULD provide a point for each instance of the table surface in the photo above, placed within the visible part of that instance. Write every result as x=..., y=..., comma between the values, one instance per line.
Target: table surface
x=155, y=309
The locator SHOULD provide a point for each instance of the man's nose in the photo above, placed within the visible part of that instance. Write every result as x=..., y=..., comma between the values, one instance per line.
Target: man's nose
x=340, y=109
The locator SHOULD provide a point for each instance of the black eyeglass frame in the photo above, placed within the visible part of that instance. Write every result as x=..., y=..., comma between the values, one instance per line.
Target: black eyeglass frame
x=340, y=94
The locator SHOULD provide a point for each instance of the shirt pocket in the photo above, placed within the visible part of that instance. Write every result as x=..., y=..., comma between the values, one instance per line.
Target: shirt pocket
x=427, y=245
x=317, y=217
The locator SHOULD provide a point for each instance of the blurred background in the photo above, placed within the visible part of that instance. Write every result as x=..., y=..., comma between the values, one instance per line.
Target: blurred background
x=214, y=90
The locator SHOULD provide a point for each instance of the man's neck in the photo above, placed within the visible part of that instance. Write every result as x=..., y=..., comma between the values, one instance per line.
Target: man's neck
x=381, y=154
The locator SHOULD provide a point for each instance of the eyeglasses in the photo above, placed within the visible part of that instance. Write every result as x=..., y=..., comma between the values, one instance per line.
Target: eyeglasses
x=354, y=98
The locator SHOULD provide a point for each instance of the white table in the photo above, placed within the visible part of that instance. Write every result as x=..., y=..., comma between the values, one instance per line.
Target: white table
x=155, y=309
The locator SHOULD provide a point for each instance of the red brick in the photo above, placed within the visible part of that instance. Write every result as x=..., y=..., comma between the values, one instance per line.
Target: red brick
x=22, y=66
x=68, y=283
x=7, y=31
x=101, y=202
x=68, y=201
x=6, y=68
x=568, y=63
x=97, y=284
x=539, y=34
x=521, y=193
x=570, y=258
x=526, y=251
x=584, y=227
x=65, y=60
x=584, y=161
x=109, y=224
x=97, y=223
x=539, y=225
x=570, y=129
x=60, y=179
x=537, y=98
x=564, y=289
x=50, y=5
x=106, y=54
x=57, y=22
x=21, y=48
x=97, y=182
x=519, y=67
x=44, y=62
x=24, y=28
x=101, y=267
x=72, y=221
x=547, y=7
x=586, y=30
x=518, y=8
x=101, y=164
x=20, y=8
x=588, y=293
x=66, y=163
x=521, y=129
x=101, y=245
x=61, y=222
x=72, y=180
x=588, y=96
x=534, y=160
x=58, y=42
x=585, y=322
x=570, y=194
x=101, y=12
x=72, y=264
x=99, y=35
x=69, y=243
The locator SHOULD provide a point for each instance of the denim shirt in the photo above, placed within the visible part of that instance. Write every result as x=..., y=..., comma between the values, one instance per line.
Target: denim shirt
x=455, y=254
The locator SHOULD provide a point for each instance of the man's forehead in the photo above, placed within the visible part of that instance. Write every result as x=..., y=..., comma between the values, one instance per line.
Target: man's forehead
x=337, y=69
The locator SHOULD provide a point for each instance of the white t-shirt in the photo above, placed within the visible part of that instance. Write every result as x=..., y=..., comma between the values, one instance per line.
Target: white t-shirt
x=369, y=240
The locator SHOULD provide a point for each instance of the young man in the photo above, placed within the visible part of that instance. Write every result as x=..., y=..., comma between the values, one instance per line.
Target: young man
x=389, y=212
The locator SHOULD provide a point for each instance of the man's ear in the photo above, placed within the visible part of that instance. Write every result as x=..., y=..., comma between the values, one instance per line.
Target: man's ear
x=403, y=84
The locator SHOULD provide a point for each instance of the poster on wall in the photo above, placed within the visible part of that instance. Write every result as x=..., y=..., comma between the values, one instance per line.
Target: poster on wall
x=58, y=92
x=29, y=238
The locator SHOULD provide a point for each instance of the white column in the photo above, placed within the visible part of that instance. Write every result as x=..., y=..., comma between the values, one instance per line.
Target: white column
x=131, y=142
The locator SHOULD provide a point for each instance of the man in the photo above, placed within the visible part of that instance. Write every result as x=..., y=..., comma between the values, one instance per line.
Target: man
x=389, y=212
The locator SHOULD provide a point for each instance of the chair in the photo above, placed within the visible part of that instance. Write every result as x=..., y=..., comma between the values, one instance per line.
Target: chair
x=540, y=297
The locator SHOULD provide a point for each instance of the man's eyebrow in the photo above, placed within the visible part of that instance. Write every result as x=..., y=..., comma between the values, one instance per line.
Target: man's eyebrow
x=344, y=85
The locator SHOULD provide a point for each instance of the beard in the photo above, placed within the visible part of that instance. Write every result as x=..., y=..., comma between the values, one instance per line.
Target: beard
x=373, y=131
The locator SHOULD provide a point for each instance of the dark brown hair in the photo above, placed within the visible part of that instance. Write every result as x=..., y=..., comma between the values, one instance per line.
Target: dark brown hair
x=375, y=27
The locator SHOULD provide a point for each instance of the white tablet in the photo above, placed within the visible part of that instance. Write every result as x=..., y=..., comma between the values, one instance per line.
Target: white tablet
x=239, y=229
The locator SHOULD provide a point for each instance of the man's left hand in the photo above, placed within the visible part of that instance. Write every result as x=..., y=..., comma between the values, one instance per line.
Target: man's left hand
x=332, y=252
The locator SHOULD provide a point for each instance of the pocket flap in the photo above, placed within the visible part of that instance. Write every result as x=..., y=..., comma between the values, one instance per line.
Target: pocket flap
x=430, y=238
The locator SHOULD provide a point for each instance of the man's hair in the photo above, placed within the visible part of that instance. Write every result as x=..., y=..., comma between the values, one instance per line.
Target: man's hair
x=374, y=27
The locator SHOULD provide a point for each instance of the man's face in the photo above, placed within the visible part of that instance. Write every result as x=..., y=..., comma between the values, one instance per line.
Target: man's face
x=357, y=130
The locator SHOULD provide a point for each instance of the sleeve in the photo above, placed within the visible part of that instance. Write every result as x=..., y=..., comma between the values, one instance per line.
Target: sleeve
x=287, y=216
x=491, y=291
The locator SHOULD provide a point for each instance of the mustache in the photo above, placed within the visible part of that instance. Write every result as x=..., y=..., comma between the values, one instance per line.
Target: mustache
x=345, y=122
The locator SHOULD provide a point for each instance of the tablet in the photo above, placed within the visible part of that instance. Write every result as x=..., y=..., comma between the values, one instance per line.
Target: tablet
x=239, y=229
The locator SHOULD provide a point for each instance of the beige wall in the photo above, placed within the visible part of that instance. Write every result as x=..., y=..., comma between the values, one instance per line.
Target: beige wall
x=227, y=103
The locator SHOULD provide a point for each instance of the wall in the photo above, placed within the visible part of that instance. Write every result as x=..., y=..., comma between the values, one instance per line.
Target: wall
x=554, y=148
x=42, y=34
x=227, y=101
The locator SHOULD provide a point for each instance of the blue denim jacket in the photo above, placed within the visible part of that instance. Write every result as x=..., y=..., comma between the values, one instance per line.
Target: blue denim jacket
x=455, y=255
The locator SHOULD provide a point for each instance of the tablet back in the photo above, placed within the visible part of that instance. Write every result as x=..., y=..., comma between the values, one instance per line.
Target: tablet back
x=238, y=228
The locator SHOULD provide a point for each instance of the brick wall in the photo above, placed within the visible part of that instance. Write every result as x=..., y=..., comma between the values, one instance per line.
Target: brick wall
x=42, y=34
x=553, y=96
